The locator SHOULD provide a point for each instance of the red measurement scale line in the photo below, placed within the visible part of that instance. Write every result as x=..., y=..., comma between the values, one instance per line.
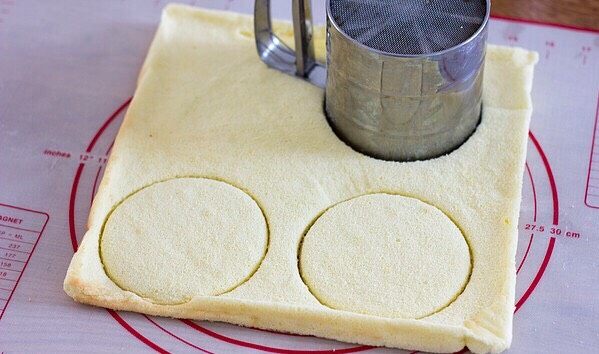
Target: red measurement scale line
x=534, y=215
x=177, y=337
x=534, y=192
x=592, y=161
x=135, y=333
x=11, y=260
x=100, y=169
x=20, y=228
x=269, y=349
x=586, y=202
x=551, y=244
x=551, y=178
x=72, y=206
x=7, y=249
x=109, y=148
x=106, y=124
x=5, y=289
x=16, y=240
x=525, y=253
x=95, y=185
x=539, y=275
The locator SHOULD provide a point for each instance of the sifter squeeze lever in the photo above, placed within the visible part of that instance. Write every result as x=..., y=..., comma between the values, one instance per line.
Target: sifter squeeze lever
x=403, y=78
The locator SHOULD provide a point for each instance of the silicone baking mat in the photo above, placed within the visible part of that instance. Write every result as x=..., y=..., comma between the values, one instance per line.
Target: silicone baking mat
x=67, y=72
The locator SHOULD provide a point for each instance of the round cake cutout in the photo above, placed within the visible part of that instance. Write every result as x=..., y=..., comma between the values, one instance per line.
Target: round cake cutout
x=385, y=255
x=183, y=237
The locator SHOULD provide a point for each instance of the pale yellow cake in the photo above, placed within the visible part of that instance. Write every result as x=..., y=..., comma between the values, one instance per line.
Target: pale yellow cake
x=227, y=197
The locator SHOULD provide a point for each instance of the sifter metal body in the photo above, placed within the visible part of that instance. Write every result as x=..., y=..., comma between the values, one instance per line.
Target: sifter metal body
x=403, y=78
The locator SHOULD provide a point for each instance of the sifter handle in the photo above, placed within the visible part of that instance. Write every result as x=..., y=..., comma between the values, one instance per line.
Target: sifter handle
x=277, y=54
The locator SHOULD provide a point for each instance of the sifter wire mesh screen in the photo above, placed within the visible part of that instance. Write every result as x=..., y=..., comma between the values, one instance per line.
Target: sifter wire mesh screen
x=409, y=27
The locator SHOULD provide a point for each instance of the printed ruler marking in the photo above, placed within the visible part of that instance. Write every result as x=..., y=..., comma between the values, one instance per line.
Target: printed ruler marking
x=20, y=231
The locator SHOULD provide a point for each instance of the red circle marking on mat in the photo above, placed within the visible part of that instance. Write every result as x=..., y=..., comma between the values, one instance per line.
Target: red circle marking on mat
x=176, y=336
x=266, y=348
x=551, y=244
x=534, y=192
x=525, y=253
x=534, y=216
x=95, y=185
x=215, y=335
x=551, y=178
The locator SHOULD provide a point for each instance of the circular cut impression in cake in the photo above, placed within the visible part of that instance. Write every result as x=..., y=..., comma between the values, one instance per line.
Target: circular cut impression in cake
x=385, y=255
x=183, y=237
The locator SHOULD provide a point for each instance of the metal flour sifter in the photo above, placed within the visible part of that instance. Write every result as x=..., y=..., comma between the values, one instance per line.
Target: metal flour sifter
x=403, y=78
